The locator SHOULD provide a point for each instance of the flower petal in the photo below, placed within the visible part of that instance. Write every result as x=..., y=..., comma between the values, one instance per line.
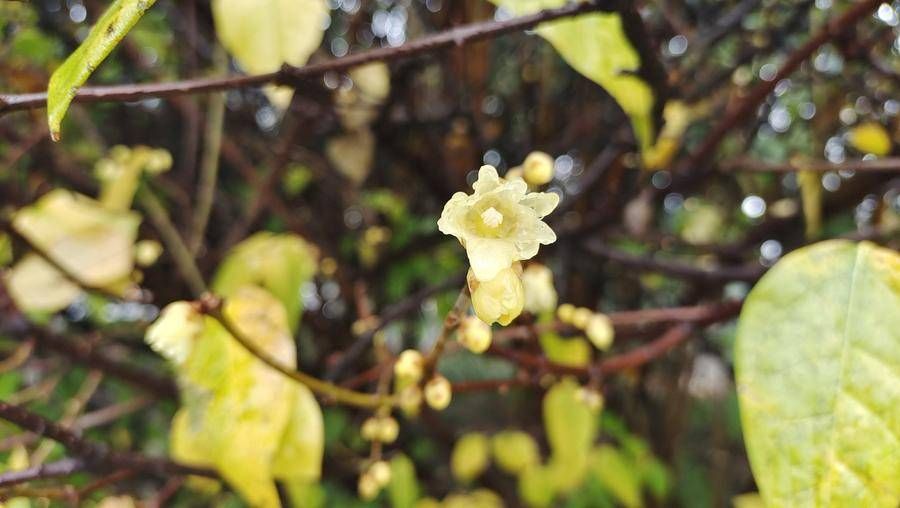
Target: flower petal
x=488, y=256
x=487, y=181
x=541, y=202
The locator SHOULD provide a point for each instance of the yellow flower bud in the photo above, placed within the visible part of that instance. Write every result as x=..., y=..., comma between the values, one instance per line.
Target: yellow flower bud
x=538, y=168
x=565, y=313
x=367, y=487
x=409, y=365
x=474, y=334
x=600, y=331
x=388, y=430
x=500, y=299
x=409, y=399
x=514, y=173
x=540, y=294
x=146, y=252
x=369, y=429
x=380, y=471
x=581, y=316
x=591, y=398
x=438, y=393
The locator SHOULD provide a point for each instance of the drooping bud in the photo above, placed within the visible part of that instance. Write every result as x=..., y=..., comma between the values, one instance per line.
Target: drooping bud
x=438, y=393
x=474, y=334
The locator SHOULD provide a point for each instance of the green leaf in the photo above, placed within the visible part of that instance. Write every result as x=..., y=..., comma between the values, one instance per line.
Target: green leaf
x=618, y=473
x=573, y=352
x=537, y=486
x=817, y=364
x=596, y=46
x=403, y=490
x=103, y=37
x=278, y=263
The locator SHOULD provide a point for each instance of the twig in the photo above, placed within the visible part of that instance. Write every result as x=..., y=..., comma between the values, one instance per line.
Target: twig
x=209, y=163
x=295, y=76
x=180, y=253
x=675, y=268
x=745, y=107
x=212, y=307
x=96, y=456
x=64, y=467
x=889, y=164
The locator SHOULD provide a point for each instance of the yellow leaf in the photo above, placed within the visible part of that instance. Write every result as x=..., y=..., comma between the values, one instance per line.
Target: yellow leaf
x=871, y=138
x=596, y=46
x=120, y=173
x=352, y=154
x=279, y=263
x=247, y=420
x=470, y=457
x=677, y=117
x=264, y=34
x=78, y=233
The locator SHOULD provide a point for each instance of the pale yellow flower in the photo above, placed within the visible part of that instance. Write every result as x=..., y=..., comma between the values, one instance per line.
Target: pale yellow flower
x=600, y=331
x=500, y=223
x=174, y=333
x=499, y=299
x=474, y=334
x=540, y=294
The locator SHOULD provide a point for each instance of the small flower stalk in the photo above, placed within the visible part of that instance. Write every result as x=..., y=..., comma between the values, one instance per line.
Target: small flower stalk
x=499, y=225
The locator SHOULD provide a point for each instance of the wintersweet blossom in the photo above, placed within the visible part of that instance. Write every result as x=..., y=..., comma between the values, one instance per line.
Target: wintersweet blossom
x=500, y=299
x=499, y=224
x=540, y=294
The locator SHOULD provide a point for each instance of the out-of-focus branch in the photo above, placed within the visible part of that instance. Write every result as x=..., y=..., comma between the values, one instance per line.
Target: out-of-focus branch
x=889, y=164
x=295, y=76
x=95, y=456
x=64, y=467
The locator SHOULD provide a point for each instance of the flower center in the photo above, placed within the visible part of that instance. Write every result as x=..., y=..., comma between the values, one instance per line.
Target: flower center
x=491, y=217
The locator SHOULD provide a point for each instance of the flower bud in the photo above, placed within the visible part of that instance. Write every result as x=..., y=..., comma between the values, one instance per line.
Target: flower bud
x=565, y=313
x=474, y=334
x=409, y=399
x=538, y=168
x=600, y=331
x=380, y=471
x=581, y=316
x=409, y=365
x=438, y=393
x=591, y=398
x=540, y=294
x=499, y=299
x=369, y=429
x=388, y=430
x=367, y=487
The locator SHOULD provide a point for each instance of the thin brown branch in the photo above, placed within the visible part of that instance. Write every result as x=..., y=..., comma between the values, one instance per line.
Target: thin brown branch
x=889, y=164
x=296, y=76
x=64, y=467
x=96, y=456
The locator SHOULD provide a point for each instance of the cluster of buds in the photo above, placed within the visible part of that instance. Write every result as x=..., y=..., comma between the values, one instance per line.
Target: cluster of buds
x=597, y=326
x=409, y=370
x=375, y=478
x=383, y=429
x=499, y=225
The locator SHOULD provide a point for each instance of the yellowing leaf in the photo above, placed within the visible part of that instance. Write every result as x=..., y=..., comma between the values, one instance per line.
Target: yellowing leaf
x=677, y=117
x=470, y=457
x=352, y=154
x=278, y=263
x=571, y=428
x=537, y=486
x=574, y=352
x=264, y=34
x=120, y=173
x=596, y=46
x=78, y=233
x=871, y=138
x=239, y=415
x=358, y=105
x=103, y=37
x=403, y=490
x=817, y=360
x=514, y=451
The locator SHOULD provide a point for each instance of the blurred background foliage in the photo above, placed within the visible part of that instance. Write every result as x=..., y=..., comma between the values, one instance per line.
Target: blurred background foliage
x=669, y=433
